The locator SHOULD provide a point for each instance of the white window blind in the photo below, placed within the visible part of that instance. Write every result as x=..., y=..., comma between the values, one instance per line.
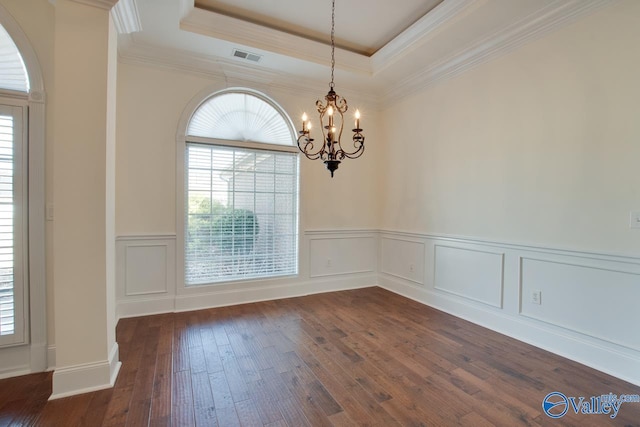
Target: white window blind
x=241, y=213
x=13, y=73
x=240, y=117
x=12, y=308
x=7, y=304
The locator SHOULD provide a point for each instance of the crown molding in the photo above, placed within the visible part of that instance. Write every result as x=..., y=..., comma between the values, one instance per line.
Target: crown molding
x=417, y=33
x=134, y=53
x=249, y=34
x=371, y=90
x=229, y=72
x=556, y=15
x=102, y=4
x=126, y=17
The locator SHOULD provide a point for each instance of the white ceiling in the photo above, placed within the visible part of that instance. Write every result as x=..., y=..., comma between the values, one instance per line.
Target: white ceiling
x=362, y=26
x=391, y=47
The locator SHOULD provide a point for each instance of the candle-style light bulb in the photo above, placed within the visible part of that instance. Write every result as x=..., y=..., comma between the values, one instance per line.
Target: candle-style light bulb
x=304, y=120
x=309, y=125
x=330, y=113
x=357, y=119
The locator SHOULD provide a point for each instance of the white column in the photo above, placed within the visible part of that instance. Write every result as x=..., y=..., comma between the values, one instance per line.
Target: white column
x=83, y=118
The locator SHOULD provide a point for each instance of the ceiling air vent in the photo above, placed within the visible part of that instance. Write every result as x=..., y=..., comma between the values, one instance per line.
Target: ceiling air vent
x=246, y=55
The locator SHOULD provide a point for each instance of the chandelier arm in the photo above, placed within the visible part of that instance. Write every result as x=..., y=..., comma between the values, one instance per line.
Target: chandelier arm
x=340, y=129
x=323, y=130
x=305, y=145
x=358, y=143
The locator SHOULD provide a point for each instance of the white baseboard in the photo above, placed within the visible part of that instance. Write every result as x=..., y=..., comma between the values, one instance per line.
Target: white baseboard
x=87, y=377
x=226, y=297
x=246, y=296
x=145, y=306
x=618, y=361
x=13, y=372
x=17, y=360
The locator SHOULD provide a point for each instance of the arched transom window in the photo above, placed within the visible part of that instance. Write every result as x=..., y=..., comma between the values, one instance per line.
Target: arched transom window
x=13, y=73
x=241, y=183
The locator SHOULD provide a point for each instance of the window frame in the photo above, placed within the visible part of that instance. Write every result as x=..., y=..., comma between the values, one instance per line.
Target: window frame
x=33, y=355
x=181, y=191
x=20, y=335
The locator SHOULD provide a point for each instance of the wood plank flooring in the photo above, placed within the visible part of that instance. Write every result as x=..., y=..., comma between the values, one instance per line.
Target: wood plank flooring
x=362, y=357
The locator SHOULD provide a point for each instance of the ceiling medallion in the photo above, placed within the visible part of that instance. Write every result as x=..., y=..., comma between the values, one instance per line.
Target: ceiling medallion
x=331, y=151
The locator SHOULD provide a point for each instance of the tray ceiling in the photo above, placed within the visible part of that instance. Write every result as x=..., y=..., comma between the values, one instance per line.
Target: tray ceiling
x=362, y=26
x=387, y=49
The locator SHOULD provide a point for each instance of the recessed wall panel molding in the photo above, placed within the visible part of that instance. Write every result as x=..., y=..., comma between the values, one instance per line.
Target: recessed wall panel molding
x=578, y=304
x=145, y=269
x=147, y=281
x=597, y=298
x=338, y=253
x=403, y=257
x=145, y=266
x=474, y=274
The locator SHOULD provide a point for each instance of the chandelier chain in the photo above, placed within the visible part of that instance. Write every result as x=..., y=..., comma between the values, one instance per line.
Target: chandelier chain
x=331, y=111
x=333, y=42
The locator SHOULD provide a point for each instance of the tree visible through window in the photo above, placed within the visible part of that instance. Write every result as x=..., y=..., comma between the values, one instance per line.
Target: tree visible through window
x=241, y=213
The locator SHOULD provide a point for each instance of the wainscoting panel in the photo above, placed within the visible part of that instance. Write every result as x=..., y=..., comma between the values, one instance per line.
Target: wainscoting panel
x=473, y=274
x=588, y=306
x=403, y=258
x=330, y=256
x=145, y=271
x=147, y=282
x=593, y=298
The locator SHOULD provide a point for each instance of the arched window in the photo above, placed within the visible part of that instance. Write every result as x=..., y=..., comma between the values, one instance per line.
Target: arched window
x=13, y=74
x=13, y=194
x=241, y=190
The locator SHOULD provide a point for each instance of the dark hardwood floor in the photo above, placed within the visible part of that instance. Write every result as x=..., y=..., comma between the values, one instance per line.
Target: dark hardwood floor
x=363, y=357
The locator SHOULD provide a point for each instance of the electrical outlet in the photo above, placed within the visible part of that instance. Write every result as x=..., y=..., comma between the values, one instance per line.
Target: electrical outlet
x=536, y=297
x=328, y=263
x=411, y=268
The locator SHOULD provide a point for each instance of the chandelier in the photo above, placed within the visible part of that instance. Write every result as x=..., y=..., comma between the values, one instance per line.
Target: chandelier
x=331, y=123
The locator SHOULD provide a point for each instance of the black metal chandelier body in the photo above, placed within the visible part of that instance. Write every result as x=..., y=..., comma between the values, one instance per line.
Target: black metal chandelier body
x=331, y=113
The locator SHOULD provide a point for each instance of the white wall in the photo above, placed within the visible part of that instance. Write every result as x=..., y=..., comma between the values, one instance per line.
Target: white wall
x=86, y=353
x=80, y=294
x=110, y=186
x=519, y=176
x=151, y=102
x=539, y=146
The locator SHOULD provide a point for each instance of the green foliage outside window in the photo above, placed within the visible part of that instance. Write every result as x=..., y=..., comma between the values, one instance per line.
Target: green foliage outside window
x=236, y=231
x=214, y=227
